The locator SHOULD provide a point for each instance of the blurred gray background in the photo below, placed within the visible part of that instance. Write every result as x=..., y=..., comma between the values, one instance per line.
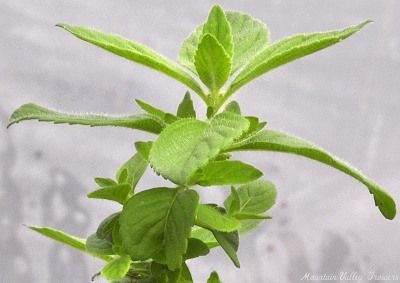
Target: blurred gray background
x=345, y=98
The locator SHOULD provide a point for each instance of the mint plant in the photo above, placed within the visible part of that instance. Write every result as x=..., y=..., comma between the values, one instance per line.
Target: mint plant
x=159, y=229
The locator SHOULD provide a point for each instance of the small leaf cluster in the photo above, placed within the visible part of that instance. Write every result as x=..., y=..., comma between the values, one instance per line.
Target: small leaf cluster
x=157, y=230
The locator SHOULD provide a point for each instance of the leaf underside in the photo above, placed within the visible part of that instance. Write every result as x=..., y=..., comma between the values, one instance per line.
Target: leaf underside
x=31, y=111
x=270, y=140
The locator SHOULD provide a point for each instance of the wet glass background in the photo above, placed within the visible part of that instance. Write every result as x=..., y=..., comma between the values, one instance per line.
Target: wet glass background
x=345, y=99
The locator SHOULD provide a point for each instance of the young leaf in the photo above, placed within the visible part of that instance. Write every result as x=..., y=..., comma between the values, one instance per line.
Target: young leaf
x=233, y=107
x=250, y=36
x=104, y=182
x=134, y=51
x=206, y=236
x=218, y=26
x=214, y=278
x=144, y=122
x=253, y=198
x=210, y=218
x=288, y=50
x=99, y=246
x=158, y=220
x=135, y=168
x=275, y=141
x=196, y=248
x=106, y=227
x=212, y=63
x=117, y=269
x=226, y=172
x=229, y=243
x=151, y=109
x=66, y=239
x=186, y=108
x=202, y=142
x=118, y=193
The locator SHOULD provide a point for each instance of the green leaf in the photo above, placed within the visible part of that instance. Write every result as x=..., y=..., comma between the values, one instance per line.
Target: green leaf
x=233, y=107
x=203, y=141
x=254, y=198
x=118, y=193
x=151, y=109
x=99, y=246
x=185, y=276
x=212, y=63
x=66, y=239
x=104, y=182
x=206, y=236
x=214, y=278
x=134, y=51
x=135, y=168
x=218, y=26
x=210, y=218
x=117, y=269
x=144, y=122
x=196, y=248
x=226, y=172
x=186, y=108
x=249, y=216
x=158, y=220
x=229, y=243
x=250, y=36
x=143, y=148
x=275, y=141
x=106, y=227
x=288, y=50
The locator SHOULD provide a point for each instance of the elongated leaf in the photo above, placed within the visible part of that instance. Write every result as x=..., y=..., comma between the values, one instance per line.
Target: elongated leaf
x=104, y=182
x=218, y=26
x=186, y=108
x=118, y=193
x=99, y=246
x=151, y=109
x=66, y=239
x=212, y=63
x=230, y=244
x=187, y=145
x=250, y=36
x=133, y=51
x=275, y=141
x=117, y=269
x=214, y=278
x=210, y=218
x=144, y=122
x=158, y=220
x=226, y=172
x=135, y=168
x=288, y=50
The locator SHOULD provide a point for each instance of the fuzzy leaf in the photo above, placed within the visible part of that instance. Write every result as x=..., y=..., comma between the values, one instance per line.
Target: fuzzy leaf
x=226, y=172
x=117, y=269
x=187, y=145
x=66, y=239
x=210, y=218
x=151, y=109
x=144, y=122
x=218, y=26
x=118, y=193
x=158, y=220
x=212, y=63
x=250, y=36
x=275, y=141
x=288, y=50
x=133, y=51
x=135, y=168
x=186, y=108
